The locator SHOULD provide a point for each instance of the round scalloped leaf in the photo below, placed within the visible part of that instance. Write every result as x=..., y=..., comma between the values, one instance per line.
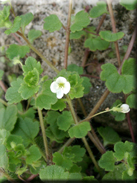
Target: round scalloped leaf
x=81, y=20
x=129, y=67
x=4, y=160
x=65, y=120
x=32, y=77
x=75, y=176
x=53, y=172
x=34, y=34
x=12, y=141
x=8, y=117
x=15, y=27
x=98, y=10
x=46, y=97
x=30, y=64
x=27, y=91
x=34, y=154
x=116, y=174
x=109, y=135
x=17, y=50
x=59, y=105
x=77, y=34
x=3, y=135
x=107, y=161
x=74, y=67
x=52, y=23
x=60, y=160
x=110, y=36
x=26, y=19
x=129, y=5
x=86, y=84
x=12, y=94
x=131, y=100
x=27, y=129
x=96, y=44
x=80, y=130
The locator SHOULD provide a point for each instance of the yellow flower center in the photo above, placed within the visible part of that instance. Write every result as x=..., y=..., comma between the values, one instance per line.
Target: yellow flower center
x=61, y=85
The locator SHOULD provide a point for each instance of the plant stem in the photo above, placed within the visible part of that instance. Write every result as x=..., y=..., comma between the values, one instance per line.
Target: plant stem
x=100, y=23
x=3, y=86
x=67, y=35
x=5, y=174
x=91, y=154
x=3, y=102
x=43, y=134
x=37, y=52
x=130, y=127
x=82, y=107
x=114, y=30
x=83, y=138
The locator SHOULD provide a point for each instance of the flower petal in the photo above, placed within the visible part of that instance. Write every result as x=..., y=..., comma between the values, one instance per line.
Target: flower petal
x=66, y=88
x=60, y=94
x=54, y=87
x=125, y=108
x=61, y=80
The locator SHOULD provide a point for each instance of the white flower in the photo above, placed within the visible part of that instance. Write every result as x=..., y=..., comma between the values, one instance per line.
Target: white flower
x=124, y=108
x=60, y=86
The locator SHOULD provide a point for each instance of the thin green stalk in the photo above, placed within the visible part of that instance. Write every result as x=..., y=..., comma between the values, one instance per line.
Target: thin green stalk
x=37, y=52
x=91, y=154
x=3, y=102
x=43, y=134
x=84, y=140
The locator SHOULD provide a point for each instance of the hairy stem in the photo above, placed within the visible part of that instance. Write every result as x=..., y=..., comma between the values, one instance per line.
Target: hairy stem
x=37, y=52
x=43, y=134
x=67, y=35
x=114, y=30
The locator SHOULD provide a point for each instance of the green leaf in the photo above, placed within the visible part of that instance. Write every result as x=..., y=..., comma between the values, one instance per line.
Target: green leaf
x=3, y=136
x=110, y=36
x=116, y=174
x=1, y=74
x=74, y=153
x=81, y=20
x=121, y=148
x=37, y=166
x=52, y=23
x=77, y=34
x=75, y=169
x=96, y=44
x=107, y=161
x=80, y=130
x=34, y=34
x=30, y=64
x=4, y=17
x=26, y=19
x=12, y=94
x=12, y=141
x=65, y=120
x=59, y=105
x=98, y=10
x=61, y=161
x=20, y=150
x=53, y=172
x=118, y=115
x=86, y=84
x=30, y=113
x=15, y=27
x=27, y=129
x=126, y=175
x=32, y=78
x=53, y=131
x=27, y=91
x=76, y=90
x=131, y=101
x=116, y=83
x=8, y=117
x=46, y=98
x=109, y=135
x=75, y=176
x=74, y=67
x=3, y=157
x=129, y=5
x=34, y=154
x=129, y=67
x=17, y=50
